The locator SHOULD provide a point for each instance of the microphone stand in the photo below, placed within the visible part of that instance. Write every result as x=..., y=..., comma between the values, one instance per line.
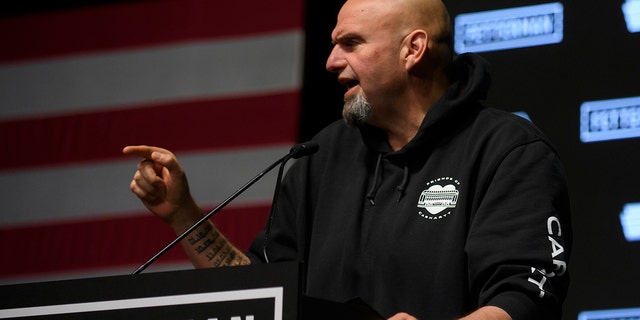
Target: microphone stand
x=270, y=219
x=296, y=152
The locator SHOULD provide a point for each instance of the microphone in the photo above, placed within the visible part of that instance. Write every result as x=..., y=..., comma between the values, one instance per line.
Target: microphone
x=304, y=149
x=297, y=151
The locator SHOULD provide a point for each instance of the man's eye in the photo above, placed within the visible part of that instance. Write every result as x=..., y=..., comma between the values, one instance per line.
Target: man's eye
x=350, y=43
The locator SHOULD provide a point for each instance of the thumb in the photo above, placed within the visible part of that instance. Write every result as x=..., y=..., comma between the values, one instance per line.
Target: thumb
x=168, y=161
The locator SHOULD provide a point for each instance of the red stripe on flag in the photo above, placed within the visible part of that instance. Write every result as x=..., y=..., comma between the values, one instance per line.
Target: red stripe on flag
x=110, y=243
x=142, y=23
x=189, y=126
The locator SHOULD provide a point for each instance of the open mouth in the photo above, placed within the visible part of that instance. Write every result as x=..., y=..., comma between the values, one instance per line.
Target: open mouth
x=351, y=85
x=348, y=82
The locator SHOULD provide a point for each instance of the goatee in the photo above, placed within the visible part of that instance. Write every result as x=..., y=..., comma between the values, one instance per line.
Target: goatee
x=356, y=110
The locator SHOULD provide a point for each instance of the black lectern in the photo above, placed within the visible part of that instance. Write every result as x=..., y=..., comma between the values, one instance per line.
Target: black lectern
x=268, y=291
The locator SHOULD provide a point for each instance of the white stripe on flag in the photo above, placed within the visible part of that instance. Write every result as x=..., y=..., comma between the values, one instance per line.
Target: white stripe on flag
x=186, y=71
x=100, y=189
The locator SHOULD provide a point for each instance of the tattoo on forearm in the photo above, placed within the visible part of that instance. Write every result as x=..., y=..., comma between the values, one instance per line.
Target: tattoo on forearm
x=220, y=260
x=210, y=255
x=200, y=235
x=220, y=244
x=208, y=242
x=205, y=245
x=215, y=247
x=230, y=258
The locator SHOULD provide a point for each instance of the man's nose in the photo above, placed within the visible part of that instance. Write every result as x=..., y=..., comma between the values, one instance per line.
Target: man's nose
x=335, y=61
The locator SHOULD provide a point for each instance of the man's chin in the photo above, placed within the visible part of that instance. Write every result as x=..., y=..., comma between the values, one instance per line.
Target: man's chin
x=354, y=120
x=356, y=111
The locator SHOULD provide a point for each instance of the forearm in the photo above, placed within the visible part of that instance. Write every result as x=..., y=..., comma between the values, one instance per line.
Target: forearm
x=488, y=313
x=206, y=247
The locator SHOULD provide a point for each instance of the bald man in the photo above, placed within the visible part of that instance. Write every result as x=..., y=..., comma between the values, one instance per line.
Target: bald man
x=423, y=202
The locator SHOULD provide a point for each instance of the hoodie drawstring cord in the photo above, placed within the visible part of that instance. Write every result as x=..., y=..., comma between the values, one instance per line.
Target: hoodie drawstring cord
x=376, y=179
x=374, y=188
x=403, y=185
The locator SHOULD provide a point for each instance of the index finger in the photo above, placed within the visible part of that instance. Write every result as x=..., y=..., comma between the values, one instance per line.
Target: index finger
x=142, y=151
x=161, y=156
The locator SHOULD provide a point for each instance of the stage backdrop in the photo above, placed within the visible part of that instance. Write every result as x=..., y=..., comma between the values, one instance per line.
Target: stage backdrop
x=217, y=82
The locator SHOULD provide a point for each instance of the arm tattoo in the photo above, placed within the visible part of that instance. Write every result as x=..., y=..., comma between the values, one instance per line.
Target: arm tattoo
x=200, y=235
x=221, y=259
x=210, y=242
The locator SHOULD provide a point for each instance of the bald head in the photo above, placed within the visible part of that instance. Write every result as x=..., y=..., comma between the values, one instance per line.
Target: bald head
x=405, y=16
x=430, y=15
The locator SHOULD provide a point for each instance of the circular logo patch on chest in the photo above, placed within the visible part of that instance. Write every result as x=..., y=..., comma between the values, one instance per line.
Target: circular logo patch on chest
x=439, y=198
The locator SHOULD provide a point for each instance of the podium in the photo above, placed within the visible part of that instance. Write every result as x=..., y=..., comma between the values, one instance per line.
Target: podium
x=267, y=291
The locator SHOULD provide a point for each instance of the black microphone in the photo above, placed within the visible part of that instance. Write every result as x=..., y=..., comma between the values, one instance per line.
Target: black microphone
x=304, y=149
x=297, y=151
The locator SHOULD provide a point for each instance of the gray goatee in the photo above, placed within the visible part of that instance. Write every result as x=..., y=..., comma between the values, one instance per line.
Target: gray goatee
x=356, y=110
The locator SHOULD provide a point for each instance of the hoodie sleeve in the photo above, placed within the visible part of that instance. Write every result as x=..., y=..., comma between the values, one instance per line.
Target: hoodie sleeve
x=520, y=235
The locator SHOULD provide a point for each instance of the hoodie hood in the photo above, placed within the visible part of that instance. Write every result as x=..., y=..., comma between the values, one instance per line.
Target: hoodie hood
x=470, y=81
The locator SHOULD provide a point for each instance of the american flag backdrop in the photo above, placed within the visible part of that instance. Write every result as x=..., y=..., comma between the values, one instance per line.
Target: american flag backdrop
x=217, y=82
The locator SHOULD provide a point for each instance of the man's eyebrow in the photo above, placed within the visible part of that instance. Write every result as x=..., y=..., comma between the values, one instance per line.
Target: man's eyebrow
x=346, y=37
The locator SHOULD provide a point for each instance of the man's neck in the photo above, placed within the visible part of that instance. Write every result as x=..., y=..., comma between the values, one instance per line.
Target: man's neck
x=404, y=120
x=399, y=134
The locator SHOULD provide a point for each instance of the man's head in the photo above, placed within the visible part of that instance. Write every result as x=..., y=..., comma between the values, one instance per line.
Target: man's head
x=384, y=50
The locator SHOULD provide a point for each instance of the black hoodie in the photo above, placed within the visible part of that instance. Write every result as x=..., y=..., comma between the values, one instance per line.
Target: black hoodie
x=473, y=211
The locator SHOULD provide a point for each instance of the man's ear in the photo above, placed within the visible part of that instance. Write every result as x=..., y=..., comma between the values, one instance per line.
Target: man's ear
x=415, y=48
